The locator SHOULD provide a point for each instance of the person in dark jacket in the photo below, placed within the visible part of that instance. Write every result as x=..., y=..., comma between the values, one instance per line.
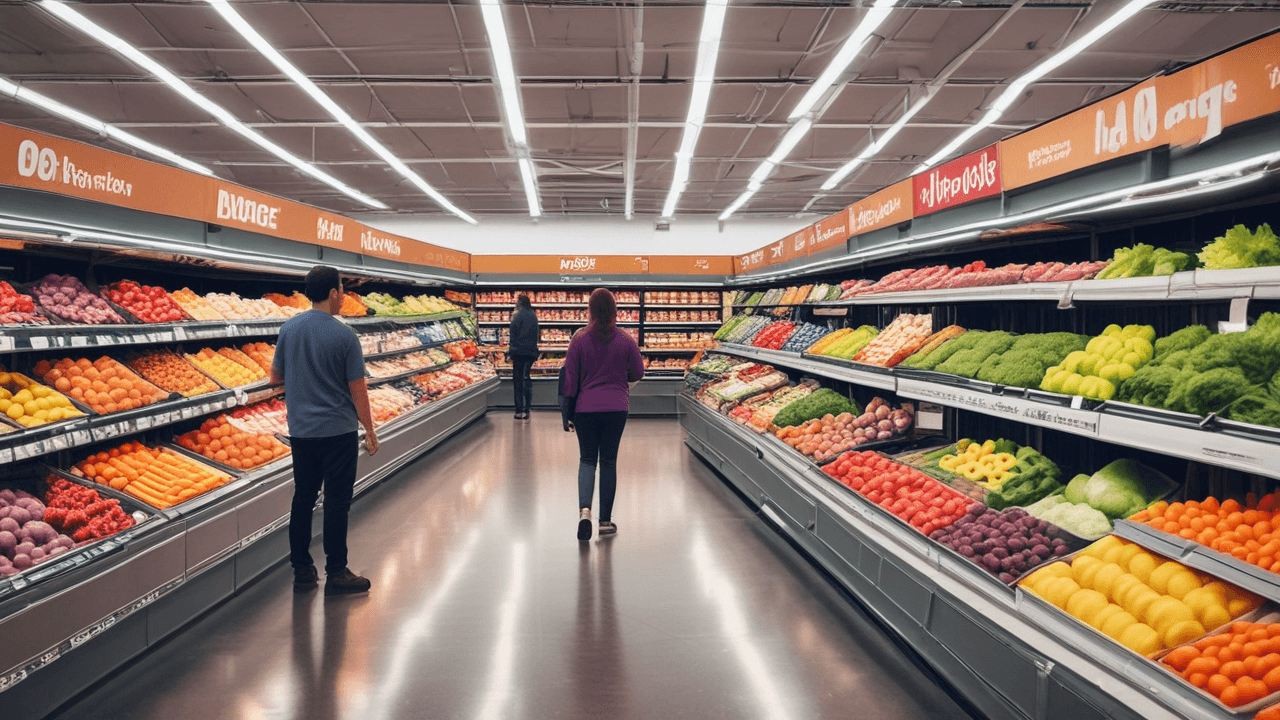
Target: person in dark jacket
x=602, y=366
x=524, y=351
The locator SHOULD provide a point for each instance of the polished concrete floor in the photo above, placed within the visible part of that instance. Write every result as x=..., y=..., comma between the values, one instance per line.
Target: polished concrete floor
x=484, y=605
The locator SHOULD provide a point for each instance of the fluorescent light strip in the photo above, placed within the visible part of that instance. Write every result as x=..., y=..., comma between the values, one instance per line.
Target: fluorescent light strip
x=48, y=104
x=249, y=33
x=839, y=175
x=509, y=91
x=863, y=32
x=97, y=32
x=703, y=78
x=800, y=115
x=1046, y=66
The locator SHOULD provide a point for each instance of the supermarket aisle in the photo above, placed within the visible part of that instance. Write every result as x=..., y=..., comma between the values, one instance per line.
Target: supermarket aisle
x=485, y=606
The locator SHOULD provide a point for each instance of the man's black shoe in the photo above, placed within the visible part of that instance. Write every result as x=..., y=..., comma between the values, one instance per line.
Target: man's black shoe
x=305, y=580
x=346, y=583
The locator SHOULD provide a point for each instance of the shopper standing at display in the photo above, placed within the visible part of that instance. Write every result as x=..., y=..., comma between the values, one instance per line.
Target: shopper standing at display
x=524, y=352
x=602, y=366
x=320, y=362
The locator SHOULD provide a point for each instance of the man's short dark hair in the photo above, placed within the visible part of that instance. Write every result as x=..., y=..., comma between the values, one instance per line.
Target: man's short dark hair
x=320, y=280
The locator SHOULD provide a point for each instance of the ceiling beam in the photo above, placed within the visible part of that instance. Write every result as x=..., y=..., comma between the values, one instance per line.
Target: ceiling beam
x=604, y=125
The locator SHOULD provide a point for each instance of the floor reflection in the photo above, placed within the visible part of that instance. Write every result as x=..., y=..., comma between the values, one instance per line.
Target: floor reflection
x=598, y=668
x=318, y=665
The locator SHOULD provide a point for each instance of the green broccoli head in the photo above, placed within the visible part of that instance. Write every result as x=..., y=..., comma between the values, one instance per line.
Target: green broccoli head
x=1211, y=391
x=1184, y=339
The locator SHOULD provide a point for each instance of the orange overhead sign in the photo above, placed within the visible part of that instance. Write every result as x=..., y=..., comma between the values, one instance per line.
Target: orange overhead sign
x=690, y=265
x=968, y=178
x=1186, y=108
x=560, y=264
x=890, y=206
x=830, y=232
x=36, y=161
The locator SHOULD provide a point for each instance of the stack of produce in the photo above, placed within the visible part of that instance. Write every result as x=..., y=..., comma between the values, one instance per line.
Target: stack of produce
x=148, y=303
x=934, y=342
x=998, y=472
x=742, y=331
x=765, y=412
x=773, y=297
x=82, y=513
x=436, y=332
x=31, y=404
x=851, y=288
x=353, y=306
x=774, y=336
x=66, y=298
x=230, y=371
x=384, y=304
x=1062, y=272
x=170, y=372
x=820, y=402
x=105, y=385
x=195, y=306
x=1139, y=600
x=1143, y=260
x=965, y=355
x=160, y=477
x=25, y=538
x=290, y=304
x=461, y=350
x=261, y=354
x=990, y=463
x=909, y=494
x=845, y=343
x=217, y=439
x=440, y=383
x=742, y=412
x=795, y=295
x=1249, y=533
x=233, y=307
x=1234, y=374
x=743, y=384
x=398, y=340
x=906, y=334
x=750, y=298
x=1108, y=360
x=1238, y=666
x=829, y=435
x=1239, y=248
x=1026, y=361
x=804, y=336
x=268, y=417
x=16, y=308
x=1089, y=503
x=1006, y=544
x=823, y=292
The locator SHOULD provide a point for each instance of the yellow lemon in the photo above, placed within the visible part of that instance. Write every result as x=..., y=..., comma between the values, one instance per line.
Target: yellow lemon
x=1139, y=600
x=1122, y=586
x=1238, y=607
x=1115, y=625
x=54, y=414
x=40, y=391
x=1182, y=633
x=1142, y=564
x=1219, y=588
x=1141, y=639
x=23, y=396
x=30, y=407
x=1130, y=552
x=1100, y=548
x=1182, y=583
x=1082, y=563
x=1085, y=604
x=1090, y=573
x=1166, y=612
x=41, y=415
x=4, y=405
x=1215, y=616
x=1113, y=555
x=1106, y=575
x=1101, y=617
x=42, y=403
x=1060, y=591
x=1058, y=569
x=59, y=401
x=1160, y=576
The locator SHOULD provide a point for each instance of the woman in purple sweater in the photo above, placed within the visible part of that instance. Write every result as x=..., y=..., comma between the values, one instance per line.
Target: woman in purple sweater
x=602, y=366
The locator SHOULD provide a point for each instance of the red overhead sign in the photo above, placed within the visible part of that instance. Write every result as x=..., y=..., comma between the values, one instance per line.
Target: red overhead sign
x=963, y=180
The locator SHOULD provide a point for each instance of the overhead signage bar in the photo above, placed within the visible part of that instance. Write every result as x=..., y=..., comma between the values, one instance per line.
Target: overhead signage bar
x=972, y=177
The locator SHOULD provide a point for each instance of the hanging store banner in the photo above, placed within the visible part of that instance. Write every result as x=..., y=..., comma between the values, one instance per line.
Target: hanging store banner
x=963, y=180
x=891, y=206
x=1187, y=108
x=690, y=265
x=830, y=232
x=37, y=161
x=560, y=264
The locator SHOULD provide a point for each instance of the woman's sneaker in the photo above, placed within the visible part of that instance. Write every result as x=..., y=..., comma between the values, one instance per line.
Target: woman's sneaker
x=346, y=583
x=584, y=525
x=607, y=528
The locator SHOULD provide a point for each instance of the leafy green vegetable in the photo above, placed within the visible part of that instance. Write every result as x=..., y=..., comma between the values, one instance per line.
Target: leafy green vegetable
x=1168, y=262
x=1184, y=339
x=1075, y=489
x=1256, y=407
x=1239, y=248
x=1077, y=518
x=819, y=403
x=1122, y=488
x=1025, y=362
x=1211, y=391
x=930, y=361
x=966, y=363
x=1137, y=261
x=1033, y=477
x=1149, y=386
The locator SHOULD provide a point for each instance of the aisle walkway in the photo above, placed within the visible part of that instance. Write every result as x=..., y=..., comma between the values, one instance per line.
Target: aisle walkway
x=484, y=605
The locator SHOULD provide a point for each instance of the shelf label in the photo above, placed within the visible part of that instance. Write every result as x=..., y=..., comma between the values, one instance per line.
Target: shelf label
x=104, y=340
x=1074, y=420
x=79, y=341
x=106, y=432
x=1253, y=456
x=39, y=342
x=6, y=455
x=6, y=343
x=143, y=422
x=929, y=416
x=179, y=333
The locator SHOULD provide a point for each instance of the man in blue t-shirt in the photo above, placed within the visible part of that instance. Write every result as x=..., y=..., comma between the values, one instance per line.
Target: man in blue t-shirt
x=319, y=360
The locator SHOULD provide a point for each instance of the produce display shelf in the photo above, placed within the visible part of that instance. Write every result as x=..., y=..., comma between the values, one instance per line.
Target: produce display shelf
x=682, y=307
x=407, y=374
x=1192, y=554
x=160, y=579
x=797, y=361
x=559, y=323
x=51, y=337
x=672, y=349
x=45, y=439
x=406, y=319
x=1004, y=657
x=402, y=351
x=690, y=323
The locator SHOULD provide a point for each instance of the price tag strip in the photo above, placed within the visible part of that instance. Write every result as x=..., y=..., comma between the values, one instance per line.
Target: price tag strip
x=1073, y=420
x=1216, y=448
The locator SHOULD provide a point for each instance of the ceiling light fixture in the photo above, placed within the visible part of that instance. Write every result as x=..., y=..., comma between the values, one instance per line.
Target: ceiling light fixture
x=802, y=115
x=89, y=122
x=703, y=78
x=1046, y=66
x=97, y=32
x=249, y=33
x=509, y=90
x=839, y=175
